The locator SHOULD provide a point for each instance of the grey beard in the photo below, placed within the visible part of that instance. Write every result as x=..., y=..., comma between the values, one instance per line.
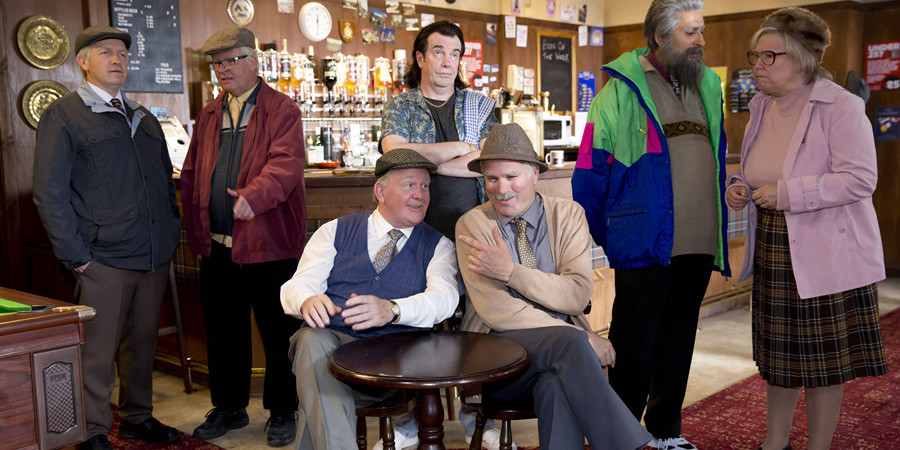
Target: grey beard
x=681, y=67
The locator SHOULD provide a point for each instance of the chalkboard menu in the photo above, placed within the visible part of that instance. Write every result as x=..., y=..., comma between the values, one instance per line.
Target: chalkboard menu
x=154, y=60
x=555, y=68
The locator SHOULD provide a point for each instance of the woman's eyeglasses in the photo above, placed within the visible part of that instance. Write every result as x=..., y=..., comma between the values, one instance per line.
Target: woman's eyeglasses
x=226, y=63
x=768, y=57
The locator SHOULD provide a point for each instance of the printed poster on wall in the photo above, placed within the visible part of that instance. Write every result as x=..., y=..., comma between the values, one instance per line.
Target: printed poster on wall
x=887, y=123
x=474, y=58
x=883, y=65
x=585, y=90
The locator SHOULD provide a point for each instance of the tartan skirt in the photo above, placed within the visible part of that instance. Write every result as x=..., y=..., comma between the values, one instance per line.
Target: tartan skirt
x=814, y=342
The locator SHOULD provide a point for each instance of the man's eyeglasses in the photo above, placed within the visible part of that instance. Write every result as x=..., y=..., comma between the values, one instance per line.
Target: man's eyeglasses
x=226, y=63
x=768, y=57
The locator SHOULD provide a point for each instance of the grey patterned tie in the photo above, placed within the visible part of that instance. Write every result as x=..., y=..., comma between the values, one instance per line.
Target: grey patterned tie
x=386, y=254
x=116, y=104
x=526, y=256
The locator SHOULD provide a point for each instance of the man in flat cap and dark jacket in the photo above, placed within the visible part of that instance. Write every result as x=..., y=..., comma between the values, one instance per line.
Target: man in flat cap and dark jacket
x=103, y=188
x=364, y=275
x=526, y=263
x=245, y=215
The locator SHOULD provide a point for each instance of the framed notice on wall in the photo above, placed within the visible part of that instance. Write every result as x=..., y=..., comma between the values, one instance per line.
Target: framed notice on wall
x=154, y=60
x=556, y=68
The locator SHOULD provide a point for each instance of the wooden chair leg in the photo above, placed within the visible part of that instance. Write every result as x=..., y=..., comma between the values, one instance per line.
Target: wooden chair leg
x=387, y=433
x=479, y=432
x=506, y=435
x=449, y=394
x=361, y=438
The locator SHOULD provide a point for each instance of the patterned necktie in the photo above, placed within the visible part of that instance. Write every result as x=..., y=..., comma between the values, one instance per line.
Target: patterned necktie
x=526, y=256
x=387, y=253
x=116, y=103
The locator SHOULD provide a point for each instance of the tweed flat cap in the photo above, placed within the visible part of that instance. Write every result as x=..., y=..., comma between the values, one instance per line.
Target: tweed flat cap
x=90, y=35
x=510, y=142
x=803, y=25
x=402, y=158
x=227, y=39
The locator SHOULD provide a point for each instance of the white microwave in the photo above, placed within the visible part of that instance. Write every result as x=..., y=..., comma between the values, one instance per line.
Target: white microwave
x=557, y=131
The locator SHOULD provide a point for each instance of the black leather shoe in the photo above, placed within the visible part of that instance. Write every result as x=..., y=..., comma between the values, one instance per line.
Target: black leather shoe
x=219, y=421
x=98, y=442
x=786, y=447
x=282, y=429
x=150, y=431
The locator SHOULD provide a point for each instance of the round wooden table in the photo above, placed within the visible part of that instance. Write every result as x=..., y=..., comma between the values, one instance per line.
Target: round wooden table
x=429, y=361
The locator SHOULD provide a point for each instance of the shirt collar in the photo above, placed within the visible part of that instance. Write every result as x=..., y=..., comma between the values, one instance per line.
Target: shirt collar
x=651, y=58
x=105, y=95
x=243, y=97
x=531, y=215
x=382, y=226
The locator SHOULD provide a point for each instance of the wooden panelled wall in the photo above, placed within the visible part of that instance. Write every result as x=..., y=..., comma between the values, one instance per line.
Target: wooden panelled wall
x=727, y=42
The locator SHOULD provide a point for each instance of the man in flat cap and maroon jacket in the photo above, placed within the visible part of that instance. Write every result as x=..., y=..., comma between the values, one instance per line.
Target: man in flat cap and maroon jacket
x=245, y=215
x=103, y=188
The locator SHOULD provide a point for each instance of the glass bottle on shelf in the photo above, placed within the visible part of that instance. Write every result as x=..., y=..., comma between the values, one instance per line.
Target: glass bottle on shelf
x=329, y=79
x=399, y=66
x=350, y=83
x=340, y=70
x=284, y=65
x=273, y=69
x=382, y=77
x=296, y=75
x=362, y=84
x=260, y=60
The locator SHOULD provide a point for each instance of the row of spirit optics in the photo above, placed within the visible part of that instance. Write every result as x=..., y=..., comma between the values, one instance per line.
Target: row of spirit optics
x=344, y=83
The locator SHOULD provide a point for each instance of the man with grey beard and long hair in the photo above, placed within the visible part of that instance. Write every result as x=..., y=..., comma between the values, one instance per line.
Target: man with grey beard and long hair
x=652, y=189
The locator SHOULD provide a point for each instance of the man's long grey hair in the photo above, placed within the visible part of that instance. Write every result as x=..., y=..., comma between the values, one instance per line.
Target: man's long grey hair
x=662, y=18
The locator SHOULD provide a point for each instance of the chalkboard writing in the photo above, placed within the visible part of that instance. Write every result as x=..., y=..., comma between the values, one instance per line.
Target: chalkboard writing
x=154, y=60
x=555, y=62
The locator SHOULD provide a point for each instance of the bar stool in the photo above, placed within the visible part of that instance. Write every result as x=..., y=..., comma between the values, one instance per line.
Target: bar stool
x=178, y=330
x=504, y=412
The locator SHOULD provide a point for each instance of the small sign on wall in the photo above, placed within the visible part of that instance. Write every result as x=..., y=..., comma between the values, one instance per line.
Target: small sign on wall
x=883, y=66
x=887, y=123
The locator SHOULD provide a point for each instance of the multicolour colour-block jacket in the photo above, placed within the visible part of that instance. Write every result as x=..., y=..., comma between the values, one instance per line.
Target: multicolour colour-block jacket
x=623, y=178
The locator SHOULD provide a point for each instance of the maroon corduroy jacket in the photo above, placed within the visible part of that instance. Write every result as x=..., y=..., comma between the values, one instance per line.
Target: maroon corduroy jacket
x=271, y=179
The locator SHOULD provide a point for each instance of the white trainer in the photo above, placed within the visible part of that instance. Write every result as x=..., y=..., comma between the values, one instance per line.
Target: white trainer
x=675, y=443
x=401, y=441
x=490, y=439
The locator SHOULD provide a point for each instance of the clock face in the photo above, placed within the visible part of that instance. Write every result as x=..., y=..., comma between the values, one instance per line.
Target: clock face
x=314, y=21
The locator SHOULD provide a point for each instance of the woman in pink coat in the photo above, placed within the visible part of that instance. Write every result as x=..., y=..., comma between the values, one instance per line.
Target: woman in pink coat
x=808, y=164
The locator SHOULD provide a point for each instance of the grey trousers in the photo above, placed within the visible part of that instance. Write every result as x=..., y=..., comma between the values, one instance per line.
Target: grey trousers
x=572, y=399
x=127, y=321
x=327, y=411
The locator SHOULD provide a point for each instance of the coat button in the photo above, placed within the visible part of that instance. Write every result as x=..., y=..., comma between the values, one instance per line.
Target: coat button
x=377, y=278
x=843, y=229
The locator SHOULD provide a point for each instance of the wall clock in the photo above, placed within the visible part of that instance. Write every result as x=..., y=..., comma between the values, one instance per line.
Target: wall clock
x=314, y=21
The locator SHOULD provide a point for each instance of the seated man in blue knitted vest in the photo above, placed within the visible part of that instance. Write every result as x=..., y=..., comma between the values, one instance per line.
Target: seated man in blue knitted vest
x=364, y=275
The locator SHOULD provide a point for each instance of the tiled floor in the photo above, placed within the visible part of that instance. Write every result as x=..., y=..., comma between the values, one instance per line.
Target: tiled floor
x=722, y=357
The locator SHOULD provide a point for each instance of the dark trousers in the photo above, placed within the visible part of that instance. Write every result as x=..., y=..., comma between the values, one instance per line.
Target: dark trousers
x=127, y=321
x=229, y=290
x=654, y=324
x=572, y=399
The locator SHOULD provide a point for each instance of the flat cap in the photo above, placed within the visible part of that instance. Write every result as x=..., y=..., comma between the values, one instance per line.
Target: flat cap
x=509, y=142
x=402, y=158
x=227, y=39
x=90, y=35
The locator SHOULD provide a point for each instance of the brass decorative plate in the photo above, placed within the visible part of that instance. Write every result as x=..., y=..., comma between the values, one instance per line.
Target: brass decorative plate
x=43, y=42
x=240, y=12
x=37, y=97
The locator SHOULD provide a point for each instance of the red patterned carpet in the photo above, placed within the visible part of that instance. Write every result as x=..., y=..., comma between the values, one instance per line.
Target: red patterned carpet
x=184, y=443
x=735, y=418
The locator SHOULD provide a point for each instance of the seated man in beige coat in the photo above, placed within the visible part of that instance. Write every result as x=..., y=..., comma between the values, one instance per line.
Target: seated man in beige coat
x=525, y=261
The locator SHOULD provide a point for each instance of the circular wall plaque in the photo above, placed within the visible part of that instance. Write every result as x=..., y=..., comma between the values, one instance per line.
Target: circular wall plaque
x=240, y=12
x=43, y=42
x=37, y=97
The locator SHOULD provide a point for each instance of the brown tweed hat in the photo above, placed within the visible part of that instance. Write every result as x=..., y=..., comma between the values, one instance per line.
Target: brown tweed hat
x=90, y=35
x=402, y=158
x=803, y=25
x=227, y=39
x=510, y=142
